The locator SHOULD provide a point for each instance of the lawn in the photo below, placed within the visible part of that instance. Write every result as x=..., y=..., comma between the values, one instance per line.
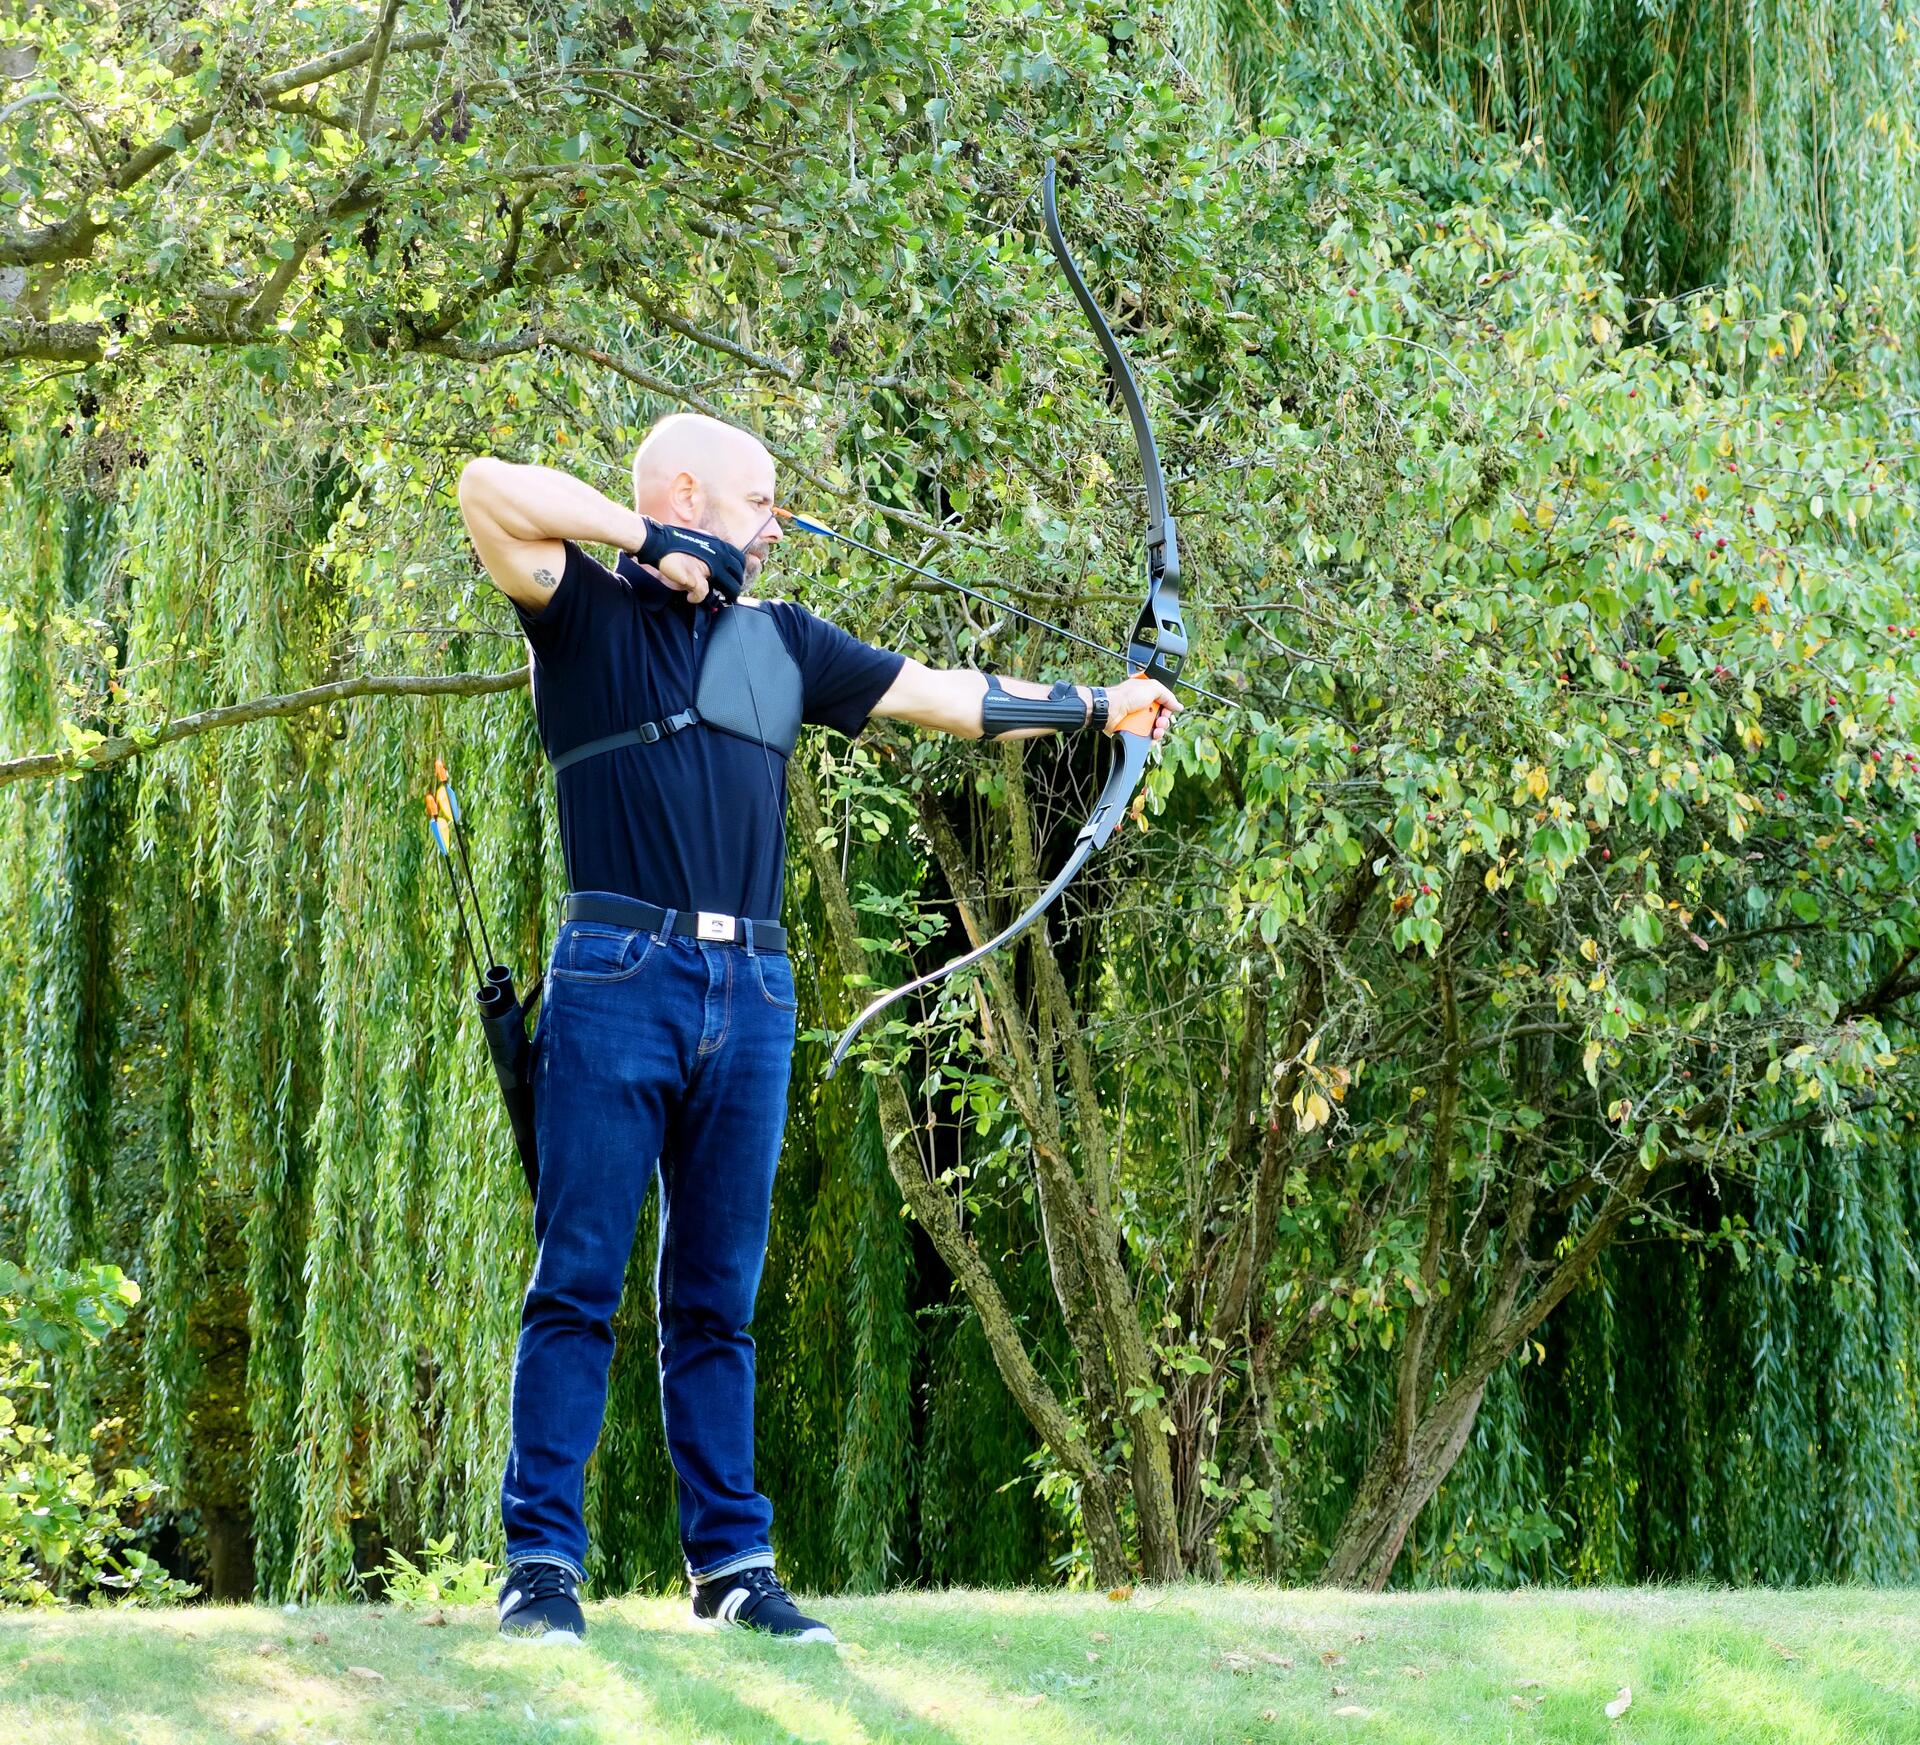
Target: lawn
x=1165, y=1666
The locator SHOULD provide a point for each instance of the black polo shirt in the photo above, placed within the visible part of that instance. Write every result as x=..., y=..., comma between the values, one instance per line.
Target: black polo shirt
x=697, y=820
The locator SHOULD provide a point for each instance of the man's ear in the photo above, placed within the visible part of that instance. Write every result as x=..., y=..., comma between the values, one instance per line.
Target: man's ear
x=685, y=495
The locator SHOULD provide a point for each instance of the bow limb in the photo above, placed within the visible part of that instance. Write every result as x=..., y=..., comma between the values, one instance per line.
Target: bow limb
x=1133, y=740
x=1038, y=907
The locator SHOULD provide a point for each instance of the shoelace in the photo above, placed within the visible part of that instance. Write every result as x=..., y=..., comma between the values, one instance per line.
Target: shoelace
x=763, y=1581
x=540, y=1581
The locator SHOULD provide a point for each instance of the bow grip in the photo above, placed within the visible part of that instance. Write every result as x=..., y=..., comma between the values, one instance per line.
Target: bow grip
x=1140, y=722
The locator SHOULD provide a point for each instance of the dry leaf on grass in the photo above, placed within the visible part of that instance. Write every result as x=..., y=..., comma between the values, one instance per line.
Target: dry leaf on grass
x=1233, y=1662
x=1273, y=1659
x=320, y=1636
x=368, y=1672
x=1353, y=1709
x=1269, y=1714
x=1098, y=1636
x=434, y=1620
x=1330, y=1658
x=1781, y=1649
x=1621, y=1703
x=268, y=1648
x=1343, y=1690
x=1091, y=1657
x=1414, y=1671
x=1119, y=1593
x=1528, y=1683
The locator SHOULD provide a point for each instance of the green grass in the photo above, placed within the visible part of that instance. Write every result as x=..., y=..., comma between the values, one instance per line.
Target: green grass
x=1170, y=1666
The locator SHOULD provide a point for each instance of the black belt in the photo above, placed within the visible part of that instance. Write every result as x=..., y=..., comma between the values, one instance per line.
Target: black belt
x=690, y=923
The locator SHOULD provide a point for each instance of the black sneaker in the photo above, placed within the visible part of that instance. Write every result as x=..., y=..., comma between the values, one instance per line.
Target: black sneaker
x=542, y=1601
x=753, y=1599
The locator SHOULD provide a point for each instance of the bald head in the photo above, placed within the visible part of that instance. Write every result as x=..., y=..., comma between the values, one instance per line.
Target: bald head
x=698, y=472
x=690, y=442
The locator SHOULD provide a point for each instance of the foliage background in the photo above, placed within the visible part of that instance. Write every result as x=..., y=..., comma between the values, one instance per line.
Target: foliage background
x=1453, y=325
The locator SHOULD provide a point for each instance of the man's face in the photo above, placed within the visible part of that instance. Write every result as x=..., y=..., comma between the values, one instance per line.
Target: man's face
x=722, y=483
x=750, y=523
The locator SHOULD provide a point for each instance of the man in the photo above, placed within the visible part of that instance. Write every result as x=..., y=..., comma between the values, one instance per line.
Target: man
x=666, y=1031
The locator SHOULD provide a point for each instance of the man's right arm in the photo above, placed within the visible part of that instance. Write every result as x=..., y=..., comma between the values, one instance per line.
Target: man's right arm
x=517, y=517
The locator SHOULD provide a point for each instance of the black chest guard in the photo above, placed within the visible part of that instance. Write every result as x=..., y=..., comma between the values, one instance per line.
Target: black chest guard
x=749, y=686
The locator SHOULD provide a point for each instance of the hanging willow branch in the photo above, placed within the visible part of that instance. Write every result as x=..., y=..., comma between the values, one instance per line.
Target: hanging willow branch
x=121, y=747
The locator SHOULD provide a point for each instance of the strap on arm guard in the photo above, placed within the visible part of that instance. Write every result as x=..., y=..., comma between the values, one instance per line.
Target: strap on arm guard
x=1003, y=712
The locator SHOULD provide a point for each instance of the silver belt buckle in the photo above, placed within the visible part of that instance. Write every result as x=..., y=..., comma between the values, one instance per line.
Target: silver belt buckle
x=712, y=926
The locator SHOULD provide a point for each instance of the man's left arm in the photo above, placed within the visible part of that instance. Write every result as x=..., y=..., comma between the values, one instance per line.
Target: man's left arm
x=951, y=699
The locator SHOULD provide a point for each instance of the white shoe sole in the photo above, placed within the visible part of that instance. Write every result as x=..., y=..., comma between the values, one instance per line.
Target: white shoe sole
x=819, y=1634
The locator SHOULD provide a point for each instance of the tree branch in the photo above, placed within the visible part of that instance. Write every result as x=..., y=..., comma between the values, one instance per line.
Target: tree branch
x=123, y=746
x=383, y=35
x=72, y=238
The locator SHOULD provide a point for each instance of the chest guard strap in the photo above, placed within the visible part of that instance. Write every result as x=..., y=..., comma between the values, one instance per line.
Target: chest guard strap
x=749, y=686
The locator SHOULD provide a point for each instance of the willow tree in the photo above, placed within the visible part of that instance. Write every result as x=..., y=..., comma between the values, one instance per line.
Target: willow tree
x=1774, y=144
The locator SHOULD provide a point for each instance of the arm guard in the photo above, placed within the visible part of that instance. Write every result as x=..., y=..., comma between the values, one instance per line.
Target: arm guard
x=1002, y=712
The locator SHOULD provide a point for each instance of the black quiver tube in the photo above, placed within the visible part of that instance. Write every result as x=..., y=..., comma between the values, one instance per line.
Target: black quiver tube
x=503, y=1016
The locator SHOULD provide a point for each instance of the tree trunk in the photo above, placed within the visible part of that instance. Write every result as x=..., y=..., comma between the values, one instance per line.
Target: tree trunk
x=1394, y=1492
x=1406, y=1469
x=935, y=1213
x=1094, y=1293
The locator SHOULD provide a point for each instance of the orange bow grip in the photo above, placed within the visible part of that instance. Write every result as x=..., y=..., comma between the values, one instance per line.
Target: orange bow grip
x=1140, y=722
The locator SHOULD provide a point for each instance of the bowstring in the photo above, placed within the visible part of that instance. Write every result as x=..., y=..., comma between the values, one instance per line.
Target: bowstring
x=753, y=698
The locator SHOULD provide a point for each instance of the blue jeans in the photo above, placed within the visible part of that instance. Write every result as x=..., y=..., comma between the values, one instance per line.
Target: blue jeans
x=650, y=1046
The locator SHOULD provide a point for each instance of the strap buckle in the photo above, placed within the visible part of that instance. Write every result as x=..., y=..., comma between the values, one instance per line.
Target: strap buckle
x=712, y=926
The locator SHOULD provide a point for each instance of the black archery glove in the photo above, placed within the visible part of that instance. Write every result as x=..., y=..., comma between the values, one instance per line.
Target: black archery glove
x=726, y=564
